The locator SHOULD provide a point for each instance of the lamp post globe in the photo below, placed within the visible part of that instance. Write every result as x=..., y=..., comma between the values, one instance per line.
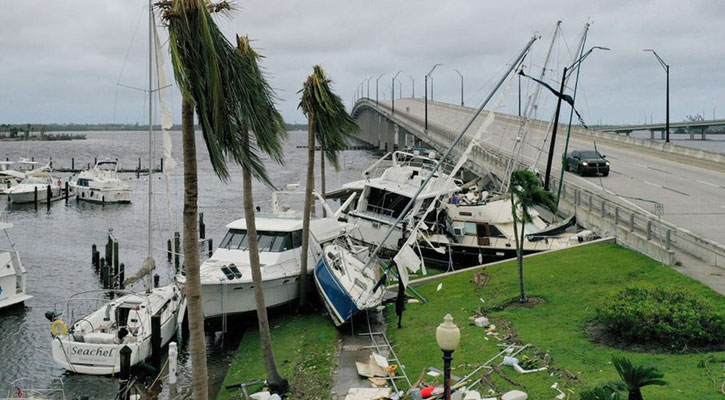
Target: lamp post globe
x=448, y=336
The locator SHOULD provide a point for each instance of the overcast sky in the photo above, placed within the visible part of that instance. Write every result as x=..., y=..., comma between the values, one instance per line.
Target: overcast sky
x=60, y=61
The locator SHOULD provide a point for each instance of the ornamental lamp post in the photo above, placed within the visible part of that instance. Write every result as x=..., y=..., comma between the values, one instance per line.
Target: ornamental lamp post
x=448, y=337
x=667, y=71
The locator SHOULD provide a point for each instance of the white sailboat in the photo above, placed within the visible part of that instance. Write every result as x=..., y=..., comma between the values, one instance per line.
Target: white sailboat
x=101, y=184
x=12, y=272
x=92, y=341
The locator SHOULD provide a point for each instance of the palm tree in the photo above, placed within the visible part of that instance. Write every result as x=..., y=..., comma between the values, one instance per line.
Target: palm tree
x=605, y=392
x=636, y=377
x=231, y=98
x=327, y=121
x=526, y=191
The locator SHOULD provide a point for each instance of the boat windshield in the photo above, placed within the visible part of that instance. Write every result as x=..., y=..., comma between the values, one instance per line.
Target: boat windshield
x=274, y=242
x=36, y=180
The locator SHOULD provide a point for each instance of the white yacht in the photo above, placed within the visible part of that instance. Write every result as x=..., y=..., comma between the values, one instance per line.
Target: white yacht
x=226, y=277
x=101, y=184
x=12, y=272
x=478, y=229
x=91, y=341
x=39, y=179
x=9, y=177
x=383, y=198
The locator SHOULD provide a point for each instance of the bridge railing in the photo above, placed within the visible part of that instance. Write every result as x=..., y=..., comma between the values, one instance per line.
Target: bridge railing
x=607, y=214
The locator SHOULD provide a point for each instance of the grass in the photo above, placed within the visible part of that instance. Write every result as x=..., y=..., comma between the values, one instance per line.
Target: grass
x=571, y=284
x=304, y=348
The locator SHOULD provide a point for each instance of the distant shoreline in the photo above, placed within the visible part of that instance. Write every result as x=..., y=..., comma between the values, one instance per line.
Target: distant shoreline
x=21, y=129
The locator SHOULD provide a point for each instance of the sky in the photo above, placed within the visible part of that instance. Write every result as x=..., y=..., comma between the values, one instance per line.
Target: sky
x=63, y=61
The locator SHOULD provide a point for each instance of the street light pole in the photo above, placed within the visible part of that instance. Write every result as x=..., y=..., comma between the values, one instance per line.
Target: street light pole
x=560, y=97
x=427, y=76
x=392, y=91
x=368, y=83
x=412, y=86
x=448, y=336
x=376, y=87
x=461, y=75
x=667, y=71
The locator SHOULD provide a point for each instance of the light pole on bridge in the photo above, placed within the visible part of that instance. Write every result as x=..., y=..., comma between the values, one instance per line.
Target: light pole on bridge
x=412, y=86
x=461, y=75
x=392, y=90
x=428, y=76
x=667, y=71
x=376, y=87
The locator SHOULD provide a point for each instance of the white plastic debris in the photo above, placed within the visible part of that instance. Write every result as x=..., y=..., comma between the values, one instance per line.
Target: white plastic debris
x=481, y=322
x=510, y=361
x=472, y=395
x=440, y=286
x=275, y=396
x=261, y=396
x=515, y=395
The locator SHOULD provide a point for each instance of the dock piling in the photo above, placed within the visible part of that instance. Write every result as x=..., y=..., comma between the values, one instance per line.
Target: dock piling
x=156, y=341
x=125, y=375
x=48, y=196
x=169, y=250
x=115, y=263
x=177, y=245
x=121, y=275
x=211, y=247
x=94, y=261
x=67, y=191
x=35, y=197
x=173, y=353
x=202, y=227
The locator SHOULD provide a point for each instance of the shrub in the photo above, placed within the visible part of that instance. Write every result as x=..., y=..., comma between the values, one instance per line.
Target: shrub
x=668, y=318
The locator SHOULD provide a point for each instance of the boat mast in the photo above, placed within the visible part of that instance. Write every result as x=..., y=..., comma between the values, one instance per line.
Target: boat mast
x=150, y=91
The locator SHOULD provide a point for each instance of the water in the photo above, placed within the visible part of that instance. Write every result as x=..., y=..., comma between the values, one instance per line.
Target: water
x=55, y=245
x=712, y=143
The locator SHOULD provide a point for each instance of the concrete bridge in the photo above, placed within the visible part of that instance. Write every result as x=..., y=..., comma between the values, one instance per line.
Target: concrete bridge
x=689, y=183
x=689, y=127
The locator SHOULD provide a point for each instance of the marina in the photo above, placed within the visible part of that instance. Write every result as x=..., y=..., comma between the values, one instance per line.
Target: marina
x=258, y=235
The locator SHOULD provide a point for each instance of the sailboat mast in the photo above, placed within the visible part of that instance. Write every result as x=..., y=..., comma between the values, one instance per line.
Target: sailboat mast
x=150, y=91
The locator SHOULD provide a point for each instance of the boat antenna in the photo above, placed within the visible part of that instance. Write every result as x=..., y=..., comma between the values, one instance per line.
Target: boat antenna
x=448, y=152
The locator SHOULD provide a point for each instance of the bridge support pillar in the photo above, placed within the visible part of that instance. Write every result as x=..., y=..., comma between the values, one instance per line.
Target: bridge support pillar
x=691, y=131
x=652, y=134
x=662, y=134
x=702, y=131
x=381, y=126
x=392, y=128
x=402, y=138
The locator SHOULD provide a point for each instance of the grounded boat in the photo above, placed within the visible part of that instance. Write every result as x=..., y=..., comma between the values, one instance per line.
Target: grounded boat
x=383, y=198
x=91, y=343
x=345, y=285
x=226, y=277
x=101, y=184
x=474, y=233
x=35, y=181
x=12, y=273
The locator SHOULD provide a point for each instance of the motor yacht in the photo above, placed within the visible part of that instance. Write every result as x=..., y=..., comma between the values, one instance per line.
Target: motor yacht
x=12, y=272
x=101, y=184
x=37, y=180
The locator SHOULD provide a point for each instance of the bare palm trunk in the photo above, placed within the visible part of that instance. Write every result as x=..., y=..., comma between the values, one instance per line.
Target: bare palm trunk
x=276, y=382
x=635, y=394
x=520, y=257
x=308, y=206
x=191, y=256
x=322, y=177
x=519, y=251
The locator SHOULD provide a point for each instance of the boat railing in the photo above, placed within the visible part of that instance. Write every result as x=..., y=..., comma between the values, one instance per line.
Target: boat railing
x=23, y=388
x=380, y=210
x=403, y=159
x=78, y=307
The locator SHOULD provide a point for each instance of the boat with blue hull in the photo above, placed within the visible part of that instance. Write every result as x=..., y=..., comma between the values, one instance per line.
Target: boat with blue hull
x=344, y=284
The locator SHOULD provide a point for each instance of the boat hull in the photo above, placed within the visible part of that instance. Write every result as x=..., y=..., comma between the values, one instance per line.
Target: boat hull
x=98, y=196
x=466, y=256
x=29, y=196
x=337, y=300
x=227, y=298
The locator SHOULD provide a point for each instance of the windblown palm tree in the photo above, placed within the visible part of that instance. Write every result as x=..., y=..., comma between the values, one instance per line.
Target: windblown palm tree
x=526, y=192
x=636, y=377
x=231, y=98
x=327, y=121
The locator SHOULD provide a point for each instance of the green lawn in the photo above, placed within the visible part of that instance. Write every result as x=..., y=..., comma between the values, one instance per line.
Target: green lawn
x=572, y=283
x=304, y=347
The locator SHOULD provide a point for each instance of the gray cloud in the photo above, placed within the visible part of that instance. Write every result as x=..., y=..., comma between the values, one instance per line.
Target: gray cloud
x=61, y=60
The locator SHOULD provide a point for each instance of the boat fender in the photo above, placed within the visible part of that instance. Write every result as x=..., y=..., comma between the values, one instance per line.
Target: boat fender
x=58, y=327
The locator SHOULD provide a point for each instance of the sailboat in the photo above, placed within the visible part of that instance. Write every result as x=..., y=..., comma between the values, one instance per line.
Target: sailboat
x=92, y=341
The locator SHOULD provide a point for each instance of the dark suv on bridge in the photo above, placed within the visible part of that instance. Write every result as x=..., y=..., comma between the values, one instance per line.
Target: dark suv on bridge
x=587, y=162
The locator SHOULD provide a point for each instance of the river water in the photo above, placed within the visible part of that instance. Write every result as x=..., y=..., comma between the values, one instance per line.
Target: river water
x=55, y=245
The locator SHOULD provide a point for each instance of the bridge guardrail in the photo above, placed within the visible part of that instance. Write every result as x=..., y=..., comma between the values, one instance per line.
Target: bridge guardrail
x=633, y=228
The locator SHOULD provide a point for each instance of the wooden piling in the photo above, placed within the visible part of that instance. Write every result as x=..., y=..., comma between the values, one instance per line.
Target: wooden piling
x=72, y=163
x=211, y=247
x=177, y=245
x=169, y=250
x=121, y=276
x=67, y=192
x=161, y=165
x=125, y=375
x=93, y=257
x=104, y=273
x=35, y=197
x=48, y=196
x=202, y=227
x=115, y=263
x=156, y=341
x=156, y=280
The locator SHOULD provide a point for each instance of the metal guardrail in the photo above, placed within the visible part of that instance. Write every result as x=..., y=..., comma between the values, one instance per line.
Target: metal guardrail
x=634, y=228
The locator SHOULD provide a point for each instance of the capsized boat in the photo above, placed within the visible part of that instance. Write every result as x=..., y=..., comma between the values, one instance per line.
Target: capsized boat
x=226, y=277
x=91, y=341
x=37, y=180
x=101, y=184
x=345, y=285
x=12, y=272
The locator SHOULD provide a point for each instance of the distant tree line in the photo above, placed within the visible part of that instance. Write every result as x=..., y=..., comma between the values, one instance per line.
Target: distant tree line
x=25, y=130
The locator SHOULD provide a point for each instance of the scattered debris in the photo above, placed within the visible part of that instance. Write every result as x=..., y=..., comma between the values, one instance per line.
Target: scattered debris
x=368, y=394
x=481, y=322
x=374, y=368
x=561, y=394
x=480, y=279
x=378, y=382
x=515, y=395
x=440, y=286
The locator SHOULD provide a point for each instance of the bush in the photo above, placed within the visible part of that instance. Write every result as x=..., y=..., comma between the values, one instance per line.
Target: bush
x=668, y=318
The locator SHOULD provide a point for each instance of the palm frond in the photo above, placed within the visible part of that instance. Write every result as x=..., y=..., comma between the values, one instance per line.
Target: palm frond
x=228, y=88
x=332, y=124
x=637, y=376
